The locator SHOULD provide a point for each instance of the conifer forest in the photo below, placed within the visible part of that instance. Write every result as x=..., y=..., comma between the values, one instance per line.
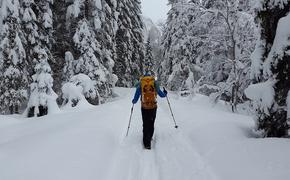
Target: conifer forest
x=55, y=52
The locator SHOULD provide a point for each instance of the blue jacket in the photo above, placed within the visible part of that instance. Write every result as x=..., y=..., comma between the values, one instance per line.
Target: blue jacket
x=138, y=92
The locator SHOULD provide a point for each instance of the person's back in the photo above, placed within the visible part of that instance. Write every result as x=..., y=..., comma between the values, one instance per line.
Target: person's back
x=148, y=89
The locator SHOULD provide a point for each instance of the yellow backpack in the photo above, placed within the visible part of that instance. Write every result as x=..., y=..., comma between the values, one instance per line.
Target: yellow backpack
x=148, y=92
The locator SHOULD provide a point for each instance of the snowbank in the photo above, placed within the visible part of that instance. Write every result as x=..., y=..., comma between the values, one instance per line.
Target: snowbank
x=262, y=94
x=76, y=91
x=6, y=121
x=74, y=97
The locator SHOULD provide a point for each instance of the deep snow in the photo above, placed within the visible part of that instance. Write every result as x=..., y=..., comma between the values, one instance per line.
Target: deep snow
x=210, y=144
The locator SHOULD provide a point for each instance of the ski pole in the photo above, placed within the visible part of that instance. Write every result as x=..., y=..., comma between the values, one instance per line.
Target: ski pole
x=130, y=120
x=171, y=112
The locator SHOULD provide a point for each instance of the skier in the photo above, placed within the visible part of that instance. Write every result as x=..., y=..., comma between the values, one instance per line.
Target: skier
x=148, y=89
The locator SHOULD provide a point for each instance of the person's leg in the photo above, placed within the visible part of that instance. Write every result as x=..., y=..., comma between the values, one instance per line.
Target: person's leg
x=152, y=121
x=148, y=116
x=146, y=127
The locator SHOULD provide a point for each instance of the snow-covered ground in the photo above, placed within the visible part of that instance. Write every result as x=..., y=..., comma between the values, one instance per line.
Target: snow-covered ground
x=210, y=144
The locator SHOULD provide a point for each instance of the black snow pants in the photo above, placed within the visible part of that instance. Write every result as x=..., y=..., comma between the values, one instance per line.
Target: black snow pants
x=148, y=117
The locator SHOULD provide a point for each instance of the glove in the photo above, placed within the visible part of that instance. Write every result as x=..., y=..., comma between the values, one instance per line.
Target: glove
x=164, y=91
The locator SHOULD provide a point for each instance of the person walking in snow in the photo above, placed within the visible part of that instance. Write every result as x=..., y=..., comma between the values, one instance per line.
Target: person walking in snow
x=148, y=89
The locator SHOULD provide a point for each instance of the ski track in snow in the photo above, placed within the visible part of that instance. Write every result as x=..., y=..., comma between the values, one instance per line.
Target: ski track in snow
x=67, y=146
x=210, y=144
x=171, y=151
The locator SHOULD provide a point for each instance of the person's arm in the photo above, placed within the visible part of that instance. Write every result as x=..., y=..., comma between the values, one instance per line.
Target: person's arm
x=137, y=94
x=159, y=92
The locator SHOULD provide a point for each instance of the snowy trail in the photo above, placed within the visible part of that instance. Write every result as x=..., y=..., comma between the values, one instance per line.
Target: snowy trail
x=175, y=151
x=210, y=144
x=171, y=151
x=131, y=161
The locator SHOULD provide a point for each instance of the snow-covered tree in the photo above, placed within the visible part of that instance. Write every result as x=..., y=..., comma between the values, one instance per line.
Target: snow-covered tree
x=270, y=69
x=87, y=43
x=217, y=38
x=88, y=63
x=209, y=42
x=42, y=97
x=105, y=34
x=37, y=24
x=46, y=23
x=235, y=29
x=31, y=31
x=149, y=61
x=13, y=64
x=179, y=66
x=36, y=20
x=93, y=47
x=68, y=70
x=62, y=43
x=129, y=43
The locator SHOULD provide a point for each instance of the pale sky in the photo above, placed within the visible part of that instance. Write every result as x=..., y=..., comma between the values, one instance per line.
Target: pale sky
x=155, y=9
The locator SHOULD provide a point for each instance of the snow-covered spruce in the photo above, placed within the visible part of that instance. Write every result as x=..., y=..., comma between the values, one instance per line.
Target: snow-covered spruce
x=105, y=27
x=30, y=26
x=271, y=66
x=92, y=52
x=88, y=63
x=13, y=60
x=51, y=25
x=42, y=99
x=37, y=24
x=129, y=43
x=177, y=70
x=149, y=61
x=36, y=18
